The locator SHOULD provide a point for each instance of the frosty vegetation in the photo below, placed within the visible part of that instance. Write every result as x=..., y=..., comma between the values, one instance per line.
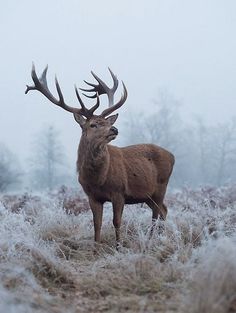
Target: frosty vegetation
x=47, y=260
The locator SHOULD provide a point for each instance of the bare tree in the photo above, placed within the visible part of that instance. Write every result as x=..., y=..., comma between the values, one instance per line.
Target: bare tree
x=9, y=169
x=162, y=125
x=204, y=162
x=47, y=160
x=216, y=152
x=165, y=124
x=225, y=152
x=204, y=154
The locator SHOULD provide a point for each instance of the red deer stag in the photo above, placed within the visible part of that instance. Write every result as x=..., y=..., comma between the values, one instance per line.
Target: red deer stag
x=128, y=175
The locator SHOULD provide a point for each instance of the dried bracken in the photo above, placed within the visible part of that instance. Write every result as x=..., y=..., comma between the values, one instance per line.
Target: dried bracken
x=47, y=260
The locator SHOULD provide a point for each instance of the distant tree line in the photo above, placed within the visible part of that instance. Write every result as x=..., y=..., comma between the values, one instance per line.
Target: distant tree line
x=47, y=166
x=204, y=154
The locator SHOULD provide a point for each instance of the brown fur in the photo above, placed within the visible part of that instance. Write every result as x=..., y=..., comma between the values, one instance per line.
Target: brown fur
x=133, y=174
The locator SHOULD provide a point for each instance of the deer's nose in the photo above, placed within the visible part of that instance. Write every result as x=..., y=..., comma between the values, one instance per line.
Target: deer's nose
x=114, y=130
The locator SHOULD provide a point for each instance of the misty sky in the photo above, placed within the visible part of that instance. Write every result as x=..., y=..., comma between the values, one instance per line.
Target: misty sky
x=187, y=47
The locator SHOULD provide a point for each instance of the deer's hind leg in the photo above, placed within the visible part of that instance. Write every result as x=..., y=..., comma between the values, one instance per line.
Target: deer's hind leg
x=155, y=202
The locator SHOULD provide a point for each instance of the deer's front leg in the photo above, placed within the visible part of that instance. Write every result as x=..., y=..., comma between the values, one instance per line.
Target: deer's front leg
x=97, y=209
x=118, y=206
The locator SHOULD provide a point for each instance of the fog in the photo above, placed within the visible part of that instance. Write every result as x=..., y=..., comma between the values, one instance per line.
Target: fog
x=186, y=47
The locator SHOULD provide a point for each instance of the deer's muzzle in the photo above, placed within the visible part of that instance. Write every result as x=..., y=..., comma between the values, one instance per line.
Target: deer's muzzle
x=114, y=130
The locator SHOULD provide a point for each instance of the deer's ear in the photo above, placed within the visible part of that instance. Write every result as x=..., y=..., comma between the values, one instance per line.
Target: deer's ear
x=79, y=119
x=111, y=119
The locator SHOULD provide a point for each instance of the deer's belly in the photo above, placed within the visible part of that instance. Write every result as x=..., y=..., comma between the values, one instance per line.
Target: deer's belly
x=138, y=190
x=134, y=191
x=131, y=200
x=98, y=193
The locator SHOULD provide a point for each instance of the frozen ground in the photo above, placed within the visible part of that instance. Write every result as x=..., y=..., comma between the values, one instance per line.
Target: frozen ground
x=48, y=264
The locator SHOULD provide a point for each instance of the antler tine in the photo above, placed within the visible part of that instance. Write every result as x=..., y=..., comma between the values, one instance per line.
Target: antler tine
x=90, y=90
x=36, y=80
x=122, y=100
x=91, y=97
x=90, y=84
x=41, y=85
x=102, y=88
x=115, y=80
x=96, y=105
x=79, y=98
x=87, y=112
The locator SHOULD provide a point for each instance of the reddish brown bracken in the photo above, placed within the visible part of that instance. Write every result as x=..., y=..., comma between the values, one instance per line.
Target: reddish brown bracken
x=128, y=175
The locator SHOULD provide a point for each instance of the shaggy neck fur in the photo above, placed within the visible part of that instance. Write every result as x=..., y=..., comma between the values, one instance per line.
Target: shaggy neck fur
x=93, y=160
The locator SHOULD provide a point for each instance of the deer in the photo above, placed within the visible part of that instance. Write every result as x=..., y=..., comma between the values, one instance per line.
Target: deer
x=121, y=175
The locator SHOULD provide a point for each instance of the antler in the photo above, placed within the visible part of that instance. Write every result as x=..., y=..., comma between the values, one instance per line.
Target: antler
x=102, y=88
x=41, y=85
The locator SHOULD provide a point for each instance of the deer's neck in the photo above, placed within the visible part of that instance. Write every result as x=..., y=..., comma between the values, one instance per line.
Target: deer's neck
x=93, y=161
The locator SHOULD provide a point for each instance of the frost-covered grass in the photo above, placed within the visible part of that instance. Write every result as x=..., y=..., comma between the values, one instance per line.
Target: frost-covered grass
x=48, y=263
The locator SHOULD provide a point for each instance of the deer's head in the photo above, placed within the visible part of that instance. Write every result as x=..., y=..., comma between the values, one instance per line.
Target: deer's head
x=94, y=127
x=98, y=127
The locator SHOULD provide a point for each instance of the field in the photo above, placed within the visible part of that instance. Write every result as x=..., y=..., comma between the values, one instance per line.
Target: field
x=48, y=263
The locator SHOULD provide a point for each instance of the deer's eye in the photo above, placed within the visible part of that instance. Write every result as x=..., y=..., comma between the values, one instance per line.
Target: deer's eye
x=93, y=125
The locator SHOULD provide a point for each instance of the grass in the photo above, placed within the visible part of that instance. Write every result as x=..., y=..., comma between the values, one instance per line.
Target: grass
x=48, y=264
